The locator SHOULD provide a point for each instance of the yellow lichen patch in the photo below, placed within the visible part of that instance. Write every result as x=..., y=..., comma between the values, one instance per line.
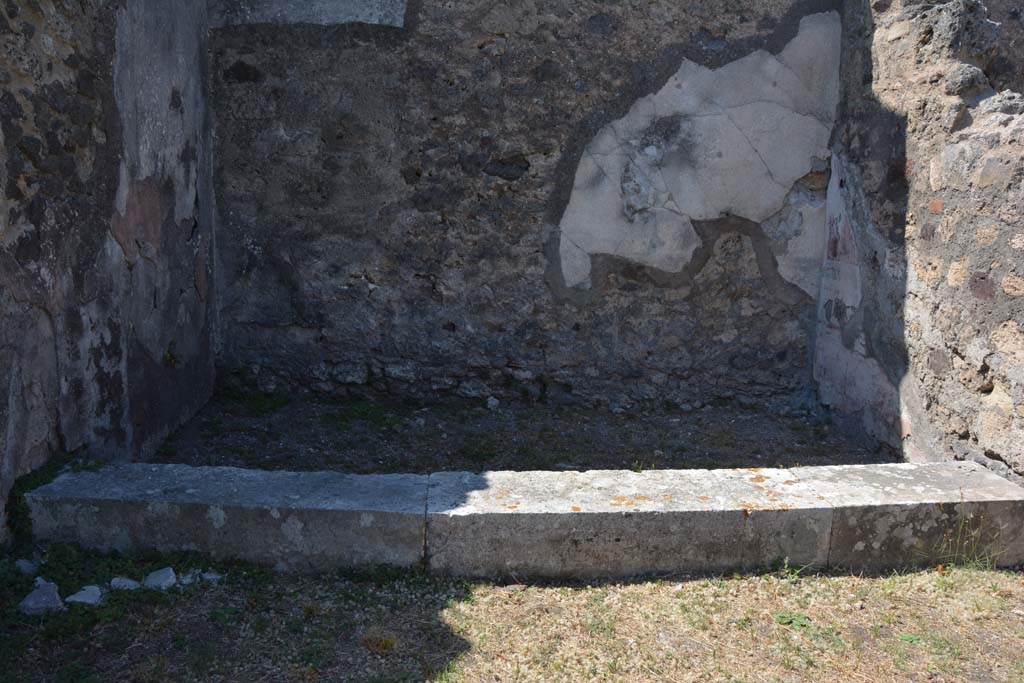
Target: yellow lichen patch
x=627, y=501
x=986, y=235
x=512, y=506
x=758, y=479
x=957, y=274
x=929, y=272
x=576, y=508
x=1013, y=285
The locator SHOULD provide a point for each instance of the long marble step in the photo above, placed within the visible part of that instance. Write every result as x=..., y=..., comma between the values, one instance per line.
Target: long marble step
x=547, y=524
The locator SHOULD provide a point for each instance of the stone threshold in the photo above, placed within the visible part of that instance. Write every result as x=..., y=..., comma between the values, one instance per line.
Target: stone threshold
x=611, y=524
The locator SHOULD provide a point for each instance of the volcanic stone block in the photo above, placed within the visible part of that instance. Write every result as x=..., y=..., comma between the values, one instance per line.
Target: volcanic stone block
x=621, y=523
x=548, y=524
x=291, y=520
x=889, y=516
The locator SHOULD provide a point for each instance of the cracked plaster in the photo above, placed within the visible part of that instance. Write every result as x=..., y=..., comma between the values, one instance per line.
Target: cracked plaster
x=711, y=143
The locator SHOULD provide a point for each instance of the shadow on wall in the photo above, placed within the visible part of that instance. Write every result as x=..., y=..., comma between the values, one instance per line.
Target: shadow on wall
x=920, y=327
x=399, y=241
x=106, y=228
x=860, y=359
x=790, y=152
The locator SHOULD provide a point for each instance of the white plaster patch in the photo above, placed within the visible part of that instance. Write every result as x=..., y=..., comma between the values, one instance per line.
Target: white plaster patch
x=711, y=142
x=216, y=516
x=802, y=227
x=848, y=380
x=292, y=530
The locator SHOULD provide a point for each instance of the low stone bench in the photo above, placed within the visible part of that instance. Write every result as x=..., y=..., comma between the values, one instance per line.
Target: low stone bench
x=547, y=524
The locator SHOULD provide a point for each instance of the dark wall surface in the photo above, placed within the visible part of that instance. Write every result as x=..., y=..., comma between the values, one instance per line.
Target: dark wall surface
x=106, y=228
x=389, y=197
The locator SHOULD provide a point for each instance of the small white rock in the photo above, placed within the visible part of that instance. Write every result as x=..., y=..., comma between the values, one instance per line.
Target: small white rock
x=161, y=579
x=189, y=577
x=493, y=403
x=90, y=596
x=121, y=583
x=27, y=567
x=212, y=576
x=1019, y=612
x=42, y=600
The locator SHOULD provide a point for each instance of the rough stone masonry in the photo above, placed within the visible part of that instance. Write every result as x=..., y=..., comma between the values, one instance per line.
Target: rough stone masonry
x=565, y=201
x=106, y=228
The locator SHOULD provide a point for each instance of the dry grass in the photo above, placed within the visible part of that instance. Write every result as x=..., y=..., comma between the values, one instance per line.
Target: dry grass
x=955, y=626
x=389, y=627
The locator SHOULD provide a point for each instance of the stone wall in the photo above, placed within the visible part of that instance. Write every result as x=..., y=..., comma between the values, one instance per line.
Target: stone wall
x=940, y=234
x=566, y=200
x=106, y=228
x=787, y=203
x=399, y=212
x=920, y=331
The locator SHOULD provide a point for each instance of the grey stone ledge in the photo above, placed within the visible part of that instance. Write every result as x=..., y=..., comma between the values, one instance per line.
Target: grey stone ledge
x=323, y=12
x=548, y=524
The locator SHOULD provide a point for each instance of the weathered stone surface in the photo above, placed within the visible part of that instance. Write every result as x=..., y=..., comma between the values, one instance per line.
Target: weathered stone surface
x=293, y=521
x=555, y=524
x=161, y=579
x=621, y=523
x=910, y=515
x=43, y=600
x=917, y=335
x=413, y=220
x=106, y=228
x=395, y=198
x=90, y=596
x=230, y=12
x=190, y=577
x=589, y=524
x=121, y=583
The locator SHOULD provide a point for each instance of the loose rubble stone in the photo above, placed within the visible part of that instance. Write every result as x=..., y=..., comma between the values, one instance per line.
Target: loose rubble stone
x=43, y=600
x=493, y=403
x=161, y=579
x=90, y=596
x=121, y=583
x=212, y=577
x=190, y=577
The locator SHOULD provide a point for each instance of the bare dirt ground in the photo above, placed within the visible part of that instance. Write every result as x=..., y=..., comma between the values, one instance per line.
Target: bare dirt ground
x=351, y=435
x=384, y=626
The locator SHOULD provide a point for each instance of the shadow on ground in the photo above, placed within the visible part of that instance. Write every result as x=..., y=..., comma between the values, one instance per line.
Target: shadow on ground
x=377, y=626
x=365, y=436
